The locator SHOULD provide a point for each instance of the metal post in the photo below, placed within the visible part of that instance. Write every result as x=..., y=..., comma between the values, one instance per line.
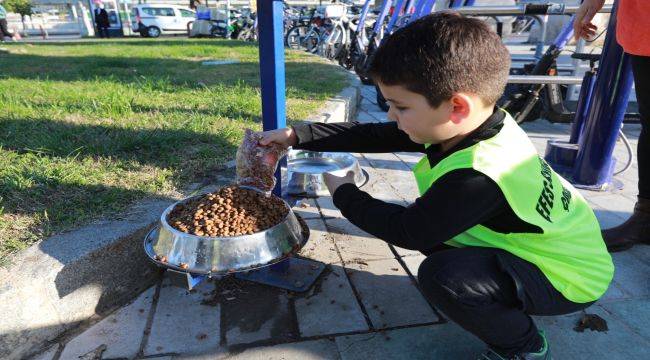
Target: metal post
x=594, y=162
x=396, y=14
x=584, y=101
x=228, y=19
x=428, y=6
x=382, y=15
x=270, y=24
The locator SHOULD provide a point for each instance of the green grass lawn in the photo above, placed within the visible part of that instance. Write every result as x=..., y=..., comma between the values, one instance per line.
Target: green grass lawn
x=88, y=128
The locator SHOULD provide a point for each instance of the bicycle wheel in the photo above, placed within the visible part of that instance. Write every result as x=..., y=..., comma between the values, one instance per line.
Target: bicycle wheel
x=302, y=37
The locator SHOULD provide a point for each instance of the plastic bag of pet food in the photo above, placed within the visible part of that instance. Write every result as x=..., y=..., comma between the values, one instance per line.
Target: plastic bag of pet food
x=256, y=164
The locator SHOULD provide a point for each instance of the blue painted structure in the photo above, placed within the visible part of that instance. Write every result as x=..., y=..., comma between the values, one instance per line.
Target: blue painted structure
x=594, y=163
x=587, y=159
x=270, y=15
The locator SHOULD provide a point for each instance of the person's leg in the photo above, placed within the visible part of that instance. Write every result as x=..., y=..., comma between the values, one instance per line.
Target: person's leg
x=491, y=293
x=106, y=32
x=637, y=227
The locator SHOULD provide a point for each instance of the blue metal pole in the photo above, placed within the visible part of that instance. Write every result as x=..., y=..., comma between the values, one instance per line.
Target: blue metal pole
x=362, y=16
x=594, y=162
x=382, y=15
x=396, y=14
x=566, y=33
x=418, y=9
x=456, y=3
x=584, y=101
x=270, y=28
x=428, y=6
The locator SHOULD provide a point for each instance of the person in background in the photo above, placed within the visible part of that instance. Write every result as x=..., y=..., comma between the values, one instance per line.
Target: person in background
x=633, y=34
x=101, y=20
x=194, y=4
x=4, y=31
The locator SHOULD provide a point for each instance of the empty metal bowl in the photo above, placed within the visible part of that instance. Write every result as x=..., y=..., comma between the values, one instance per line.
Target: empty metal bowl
x=305, y=171
x=219, y=255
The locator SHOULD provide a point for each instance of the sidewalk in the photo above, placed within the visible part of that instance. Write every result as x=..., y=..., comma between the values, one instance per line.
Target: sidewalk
x=367, y=304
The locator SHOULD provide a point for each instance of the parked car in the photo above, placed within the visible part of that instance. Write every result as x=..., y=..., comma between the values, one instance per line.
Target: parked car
x=153, y=20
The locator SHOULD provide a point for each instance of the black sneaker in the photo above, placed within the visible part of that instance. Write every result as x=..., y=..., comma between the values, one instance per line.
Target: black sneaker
x=543, y=354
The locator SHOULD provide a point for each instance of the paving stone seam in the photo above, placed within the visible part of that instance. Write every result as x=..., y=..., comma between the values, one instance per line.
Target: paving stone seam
x=150, y=317
x=624, y=323
x=417, y=284
x=343, y=263
x=272, y=342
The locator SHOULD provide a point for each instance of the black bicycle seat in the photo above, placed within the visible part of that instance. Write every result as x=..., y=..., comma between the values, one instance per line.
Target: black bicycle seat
x=586, y=56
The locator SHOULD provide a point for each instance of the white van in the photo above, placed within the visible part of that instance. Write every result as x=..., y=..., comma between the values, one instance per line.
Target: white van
x=152, y=20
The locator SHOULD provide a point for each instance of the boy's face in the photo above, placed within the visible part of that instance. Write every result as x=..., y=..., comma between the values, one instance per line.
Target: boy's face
x=413, y=114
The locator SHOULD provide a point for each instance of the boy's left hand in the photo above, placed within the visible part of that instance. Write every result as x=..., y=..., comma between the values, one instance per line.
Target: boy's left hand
x=333, y=181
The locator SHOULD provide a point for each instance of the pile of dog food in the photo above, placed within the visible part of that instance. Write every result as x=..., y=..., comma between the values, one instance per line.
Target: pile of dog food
x=232, y=211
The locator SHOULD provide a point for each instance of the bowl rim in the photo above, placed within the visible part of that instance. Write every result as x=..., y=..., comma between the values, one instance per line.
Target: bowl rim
x=168, y=227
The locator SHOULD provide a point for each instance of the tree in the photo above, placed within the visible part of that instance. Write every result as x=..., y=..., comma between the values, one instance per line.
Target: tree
x=22, y=7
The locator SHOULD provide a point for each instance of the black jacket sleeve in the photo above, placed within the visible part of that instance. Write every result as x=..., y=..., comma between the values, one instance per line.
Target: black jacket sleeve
x=354, y=137
x=456, y=202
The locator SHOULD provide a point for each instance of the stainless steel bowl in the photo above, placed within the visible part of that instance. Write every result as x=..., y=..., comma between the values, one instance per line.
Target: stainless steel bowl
x=219, y=255
x=305, y=171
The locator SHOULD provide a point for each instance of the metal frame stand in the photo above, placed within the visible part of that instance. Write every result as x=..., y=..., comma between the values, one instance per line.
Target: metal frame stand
x=293, y=274
x=586, y=160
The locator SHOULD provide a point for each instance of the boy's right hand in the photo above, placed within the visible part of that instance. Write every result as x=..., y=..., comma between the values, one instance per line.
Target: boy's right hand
x=285, y=137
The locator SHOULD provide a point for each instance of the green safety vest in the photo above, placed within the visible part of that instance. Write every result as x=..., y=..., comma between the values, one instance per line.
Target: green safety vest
x=570, y=251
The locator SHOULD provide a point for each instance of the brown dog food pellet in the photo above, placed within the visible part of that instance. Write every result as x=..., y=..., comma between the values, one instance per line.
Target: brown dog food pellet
x=244, y=211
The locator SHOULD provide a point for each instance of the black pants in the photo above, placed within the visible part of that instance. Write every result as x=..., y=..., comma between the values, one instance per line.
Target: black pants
x=641, y=70
x=4, y=31
x=492, y=293
x=102, y=31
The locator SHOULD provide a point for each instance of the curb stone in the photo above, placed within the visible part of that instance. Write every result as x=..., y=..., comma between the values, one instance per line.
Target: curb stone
x=55, y=287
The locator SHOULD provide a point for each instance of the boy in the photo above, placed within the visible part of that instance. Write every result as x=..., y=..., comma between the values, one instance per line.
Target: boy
x=505, y=237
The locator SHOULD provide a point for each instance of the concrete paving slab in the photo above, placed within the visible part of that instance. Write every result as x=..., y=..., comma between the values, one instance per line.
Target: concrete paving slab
x=307, y=209
x=320, y=245
x=413, y=263
x=355, y=245
x=121, y=332
x=634, y=313
x=606, y=218
x=622, y=206
x=327, y=207
x=445, y=341
x=257, y=313
x=306, y=350
x=614, y=293
x=181, y=324
x=386, y=161
x=364, y=117
x=379, y=115
x=409, y=158
x=405, y=252
x=47, y=354
x=641, y=252
x=631, y=274
x=389, y=295
x=331, y=308
x=619, y=343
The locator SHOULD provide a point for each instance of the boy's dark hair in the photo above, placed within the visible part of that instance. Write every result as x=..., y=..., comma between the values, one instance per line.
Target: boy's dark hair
x=441, y=54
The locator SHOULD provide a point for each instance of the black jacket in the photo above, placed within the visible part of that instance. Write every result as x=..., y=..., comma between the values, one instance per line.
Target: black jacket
x=101, y=18
x=456, y=202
